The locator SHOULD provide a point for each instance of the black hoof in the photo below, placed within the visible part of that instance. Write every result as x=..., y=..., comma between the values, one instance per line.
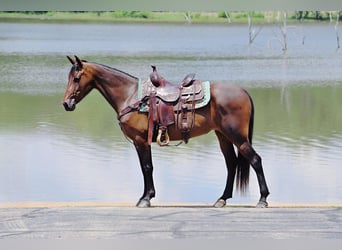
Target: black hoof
x=143, y=203
x=220, y=203
x=262, y=204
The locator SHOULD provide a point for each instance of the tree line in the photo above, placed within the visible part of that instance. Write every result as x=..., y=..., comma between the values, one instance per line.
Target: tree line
x=230, y=15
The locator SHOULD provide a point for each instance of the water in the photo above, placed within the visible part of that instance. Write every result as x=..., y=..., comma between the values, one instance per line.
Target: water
x=48, y=154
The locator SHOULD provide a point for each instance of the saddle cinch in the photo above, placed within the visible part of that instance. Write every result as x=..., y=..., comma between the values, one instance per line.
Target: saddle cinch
x=171, y=104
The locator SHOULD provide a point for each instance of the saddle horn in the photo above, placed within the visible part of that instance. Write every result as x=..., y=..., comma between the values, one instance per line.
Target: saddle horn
x=188, y=80
x=154, y=77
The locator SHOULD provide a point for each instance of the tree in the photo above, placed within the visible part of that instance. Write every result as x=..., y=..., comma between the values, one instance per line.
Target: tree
x=188, y=16
x=252, y=33
x=336, y=30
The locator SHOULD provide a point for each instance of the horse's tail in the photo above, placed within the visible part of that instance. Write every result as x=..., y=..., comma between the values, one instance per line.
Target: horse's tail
x=242, y=173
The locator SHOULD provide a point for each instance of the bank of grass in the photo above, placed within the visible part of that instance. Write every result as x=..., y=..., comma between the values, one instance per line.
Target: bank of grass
x=115, y=16
x=149, y=17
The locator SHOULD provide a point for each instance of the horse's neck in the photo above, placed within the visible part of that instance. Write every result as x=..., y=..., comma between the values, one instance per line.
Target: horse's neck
x=118, y=88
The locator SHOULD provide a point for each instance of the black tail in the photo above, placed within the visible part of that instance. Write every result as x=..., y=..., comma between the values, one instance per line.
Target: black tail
x=242, y=173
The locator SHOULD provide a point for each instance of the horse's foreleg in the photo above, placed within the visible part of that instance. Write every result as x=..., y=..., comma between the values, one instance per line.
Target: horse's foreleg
x=231, y=161
x=247, y=151
x=145, y=158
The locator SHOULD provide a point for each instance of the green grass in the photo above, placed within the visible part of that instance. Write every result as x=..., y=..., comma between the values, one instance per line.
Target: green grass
x=117, y=16
x=151, y=17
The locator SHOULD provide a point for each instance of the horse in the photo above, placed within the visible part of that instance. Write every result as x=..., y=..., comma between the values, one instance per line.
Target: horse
x=229, y=113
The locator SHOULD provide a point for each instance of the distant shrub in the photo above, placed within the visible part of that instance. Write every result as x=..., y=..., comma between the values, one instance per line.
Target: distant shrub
x=196, y=15
x=252, y=14
x=222, y=14
x=241, y=15
x=132, y=14
x=258, y=15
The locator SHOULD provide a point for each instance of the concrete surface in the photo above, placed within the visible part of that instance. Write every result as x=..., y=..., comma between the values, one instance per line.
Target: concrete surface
x=177, y=221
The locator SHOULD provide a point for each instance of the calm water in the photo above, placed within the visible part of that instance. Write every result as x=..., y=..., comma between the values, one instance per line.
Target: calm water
x=47, y=154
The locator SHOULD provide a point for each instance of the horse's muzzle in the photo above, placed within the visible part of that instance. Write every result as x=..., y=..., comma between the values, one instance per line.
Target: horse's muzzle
x=69, y=104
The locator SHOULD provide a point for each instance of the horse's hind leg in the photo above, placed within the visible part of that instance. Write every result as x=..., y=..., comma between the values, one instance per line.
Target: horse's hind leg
x=249, y=153
x=227, y=149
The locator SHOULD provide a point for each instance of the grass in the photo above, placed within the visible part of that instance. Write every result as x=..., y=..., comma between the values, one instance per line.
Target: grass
x=149, y=17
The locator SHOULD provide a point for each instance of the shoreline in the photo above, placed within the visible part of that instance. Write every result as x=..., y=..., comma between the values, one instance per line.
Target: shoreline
x=134, y=17
x=36, y=204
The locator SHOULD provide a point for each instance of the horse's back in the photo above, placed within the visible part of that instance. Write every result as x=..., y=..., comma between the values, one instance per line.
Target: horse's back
x=230, y=94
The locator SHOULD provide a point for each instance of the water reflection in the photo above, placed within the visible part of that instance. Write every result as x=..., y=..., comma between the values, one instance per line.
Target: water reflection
x=59, y=156
x=51, y=155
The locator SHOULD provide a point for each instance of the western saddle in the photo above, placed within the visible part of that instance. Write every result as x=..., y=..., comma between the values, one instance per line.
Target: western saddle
x=172, y=104
x=167, y=103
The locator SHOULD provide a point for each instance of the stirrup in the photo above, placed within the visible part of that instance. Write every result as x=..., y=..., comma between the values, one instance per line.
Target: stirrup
x=163, y=138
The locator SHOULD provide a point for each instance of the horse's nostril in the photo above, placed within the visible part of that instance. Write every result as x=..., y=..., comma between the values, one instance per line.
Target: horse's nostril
x=69, y=105
x=65, y=105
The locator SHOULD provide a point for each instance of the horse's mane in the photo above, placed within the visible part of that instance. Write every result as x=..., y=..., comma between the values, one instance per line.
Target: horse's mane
x=114, y=69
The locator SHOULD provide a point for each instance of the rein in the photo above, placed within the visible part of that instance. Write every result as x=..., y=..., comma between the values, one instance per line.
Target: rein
x=133, y=107
x=125, y=111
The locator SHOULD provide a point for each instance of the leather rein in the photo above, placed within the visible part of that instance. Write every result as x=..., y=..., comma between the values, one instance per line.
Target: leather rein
x=133, y=107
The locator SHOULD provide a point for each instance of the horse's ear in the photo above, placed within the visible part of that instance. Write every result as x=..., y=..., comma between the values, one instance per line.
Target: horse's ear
x=79, y=62
x=71, y=60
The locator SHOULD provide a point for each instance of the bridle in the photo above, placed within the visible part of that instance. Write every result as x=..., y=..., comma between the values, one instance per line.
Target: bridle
x=76, y=80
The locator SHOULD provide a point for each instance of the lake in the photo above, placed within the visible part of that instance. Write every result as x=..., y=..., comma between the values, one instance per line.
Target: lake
x=47, y=154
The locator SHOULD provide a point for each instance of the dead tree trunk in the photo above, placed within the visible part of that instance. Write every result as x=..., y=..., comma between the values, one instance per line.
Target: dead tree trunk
x=252, y=34
x=336, y=30
x=331, y=16
x=283, y=30
x=187, y=16
x=250, y=40
x=226, y=13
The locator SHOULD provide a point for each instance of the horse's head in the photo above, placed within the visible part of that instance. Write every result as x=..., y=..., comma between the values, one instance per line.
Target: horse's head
x=79, y=84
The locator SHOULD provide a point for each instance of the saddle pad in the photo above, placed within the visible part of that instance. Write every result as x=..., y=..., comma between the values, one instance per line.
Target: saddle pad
x=199, y=103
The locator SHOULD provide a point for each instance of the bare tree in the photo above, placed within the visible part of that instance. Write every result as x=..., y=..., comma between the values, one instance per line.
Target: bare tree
x=336, y=30
x=283, y=29
x=226, y=13
x=252, y=33
x=331, y=16
x=188, y=16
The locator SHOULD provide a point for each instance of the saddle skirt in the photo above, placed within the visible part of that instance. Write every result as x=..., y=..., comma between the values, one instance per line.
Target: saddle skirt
x=199, y=92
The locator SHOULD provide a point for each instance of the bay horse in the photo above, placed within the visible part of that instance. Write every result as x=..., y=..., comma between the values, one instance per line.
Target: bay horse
x=230, y=113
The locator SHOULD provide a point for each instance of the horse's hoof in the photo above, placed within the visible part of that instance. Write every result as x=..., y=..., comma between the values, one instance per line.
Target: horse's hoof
x=220, y=203
x=262, y=204
x=143, y=203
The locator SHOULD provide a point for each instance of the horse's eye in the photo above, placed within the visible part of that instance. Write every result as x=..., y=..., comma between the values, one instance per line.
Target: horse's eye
x=77, y=79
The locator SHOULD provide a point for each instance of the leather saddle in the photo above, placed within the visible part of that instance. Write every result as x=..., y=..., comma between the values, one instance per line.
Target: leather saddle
x=167, y=91
x=171, y=103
